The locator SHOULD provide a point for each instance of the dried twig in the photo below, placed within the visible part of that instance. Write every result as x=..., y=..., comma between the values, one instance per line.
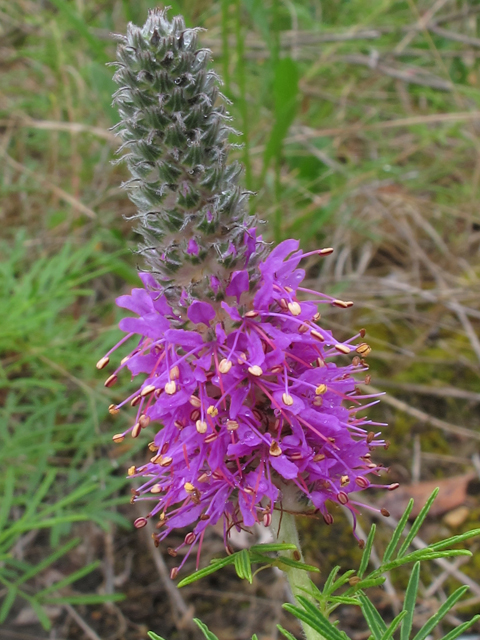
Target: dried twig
x=455, y=36
x=427, y=390
x=81, y=622
x=423, y=417
x=63, y=195
x=410, y=75
x=182, y=613
x=51, y=125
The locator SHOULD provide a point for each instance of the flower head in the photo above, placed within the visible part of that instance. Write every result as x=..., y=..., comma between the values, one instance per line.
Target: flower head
x=249, y=399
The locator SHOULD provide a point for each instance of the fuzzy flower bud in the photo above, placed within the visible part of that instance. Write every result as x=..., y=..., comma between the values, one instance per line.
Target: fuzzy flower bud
x=191, y=211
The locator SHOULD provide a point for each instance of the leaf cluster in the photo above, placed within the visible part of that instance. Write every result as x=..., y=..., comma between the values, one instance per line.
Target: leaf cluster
x=54, y=475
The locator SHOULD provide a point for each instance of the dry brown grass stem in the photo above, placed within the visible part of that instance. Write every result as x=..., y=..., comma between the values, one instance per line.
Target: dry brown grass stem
x=422, y=416
x=60, y=193
x=182, y=613
x=51, y=125
x=427, y=390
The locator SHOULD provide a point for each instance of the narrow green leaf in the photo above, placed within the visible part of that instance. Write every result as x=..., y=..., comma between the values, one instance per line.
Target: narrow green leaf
x=40, y=494
x=7, y=603
x=367, y=583
x=366, y=552
x=286, y=633
x=339, y=582
x=285, y=91
x=48, y=561
x=81, y=27
x=443, y=610
x=254, y=637
x=205, y=630
x=454, y=633
x=271, y=547
x=313, y=617
x=417, y=524
x=153, y=636
x=374, y=620
x=41, y=614
x=72, y=577
x=71, y=497
x=214, y=566
x=297, y=565
x=421, y=554
x=392, y=627
x=392, y=545
x=243, y=566
x=7, y=499
x=449, y=542
x=330, y=580
x=343, y=600
x=19, y=526
x=410, y=601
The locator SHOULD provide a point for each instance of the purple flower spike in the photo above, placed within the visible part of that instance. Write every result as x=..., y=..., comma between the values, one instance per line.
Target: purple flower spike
x=253, y=403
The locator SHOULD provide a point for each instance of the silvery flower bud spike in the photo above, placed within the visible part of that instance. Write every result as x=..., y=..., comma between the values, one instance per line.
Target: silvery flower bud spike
x=252, y=400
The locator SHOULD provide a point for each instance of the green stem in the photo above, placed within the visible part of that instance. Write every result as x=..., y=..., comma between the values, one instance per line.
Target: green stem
x=285, y=531
x=243, y=95
x=225, y=46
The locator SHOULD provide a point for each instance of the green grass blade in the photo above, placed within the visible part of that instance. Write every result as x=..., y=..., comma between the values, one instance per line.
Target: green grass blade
x=205, y=630
x=417, y=524
x=327, y=588
x=339, y=582
x=449, y=542
x=410, y=601
x=153, y=636
x=392, y=545
x=7, y=603
x=392, y=627
x=274, y=546
x=7, y=499
x=443, y=610
x=41, y=614
x=40, y=494
x=314, y=618
x=48, y=561
x=72, y=577
x=297, y=565
x=454, y=633
x=285, y=633
x=81, y=27
x=374, y=620
x=366, y=552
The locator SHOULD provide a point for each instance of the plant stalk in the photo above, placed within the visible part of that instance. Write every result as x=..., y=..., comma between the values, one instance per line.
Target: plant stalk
x=285, y=531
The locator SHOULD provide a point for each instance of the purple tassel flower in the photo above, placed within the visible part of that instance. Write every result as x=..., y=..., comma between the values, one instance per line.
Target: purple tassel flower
x=250, y=397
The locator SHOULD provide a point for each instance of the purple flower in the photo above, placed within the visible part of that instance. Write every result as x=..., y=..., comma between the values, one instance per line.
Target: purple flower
x=248, y=398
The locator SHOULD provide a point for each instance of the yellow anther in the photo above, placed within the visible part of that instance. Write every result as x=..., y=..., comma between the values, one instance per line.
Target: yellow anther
x=171, y=387
x=201, y=426
x=255, y=370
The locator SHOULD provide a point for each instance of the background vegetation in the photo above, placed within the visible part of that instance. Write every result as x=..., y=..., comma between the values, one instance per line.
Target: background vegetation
x=360, y=126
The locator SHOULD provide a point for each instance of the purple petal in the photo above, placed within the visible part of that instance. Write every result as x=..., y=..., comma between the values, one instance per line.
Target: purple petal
x=238, y=284
x=201, y=312
x=284, y=466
